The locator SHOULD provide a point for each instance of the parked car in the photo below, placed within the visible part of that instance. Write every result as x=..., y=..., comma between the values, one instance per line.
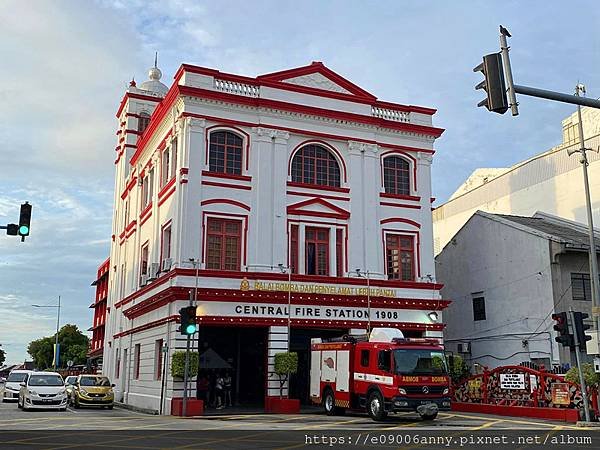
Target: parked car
x=93, y=390
x=43, y=390
x=13, y=385
x=69, y=384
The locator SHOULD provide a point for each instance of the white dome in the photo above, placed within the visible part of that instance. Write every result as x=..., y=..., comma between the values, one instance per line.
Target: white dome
x=154, y=84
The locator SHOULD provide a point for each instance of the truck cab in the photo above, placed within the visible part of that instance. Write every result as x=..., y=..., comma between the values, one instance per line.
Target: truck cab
x=383, y=373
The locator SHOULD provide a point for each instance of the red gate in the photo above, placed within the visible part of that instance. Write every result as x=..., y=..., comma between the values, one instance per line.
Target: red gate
x=521, y=391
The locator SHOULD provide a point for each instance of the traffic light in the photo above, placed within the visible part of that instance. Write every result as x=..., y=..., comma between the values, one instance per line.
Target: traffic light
x=493, y=83
x=562, y=326
x=187, y=320
x=25, y=219
x=12, y=229
x=580, y=328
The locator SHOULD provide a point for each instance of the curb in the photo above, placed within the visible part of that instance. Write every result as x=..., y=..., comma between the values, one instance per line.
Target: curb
x=152, y=412
x=582, y=423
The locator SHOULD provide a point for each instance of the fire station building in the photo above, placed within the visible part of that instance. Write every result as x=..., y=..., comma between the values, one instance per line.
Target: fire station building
x=296, y=187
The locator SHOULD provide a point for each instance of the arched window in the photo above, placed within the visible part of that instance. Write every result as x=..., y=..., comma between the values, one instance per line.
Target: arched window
x=313, y=164
x=225, y=153
x=143, y=122
x=396, y=175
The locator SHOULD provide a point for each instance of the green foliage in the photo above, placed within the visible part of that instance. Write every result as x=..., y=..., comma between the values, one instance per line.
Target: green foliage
x=2, y=356
x=73, y=346
x=592, y=379
x=178, y=364
x=458, y=369
x=286, y=363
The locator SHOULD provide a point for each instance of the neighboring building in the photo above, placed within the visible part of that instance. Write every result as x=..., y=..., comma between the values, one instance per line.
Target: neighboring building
x=551, y=182
x=297, y=168
x=506, y=275
x=100, y=310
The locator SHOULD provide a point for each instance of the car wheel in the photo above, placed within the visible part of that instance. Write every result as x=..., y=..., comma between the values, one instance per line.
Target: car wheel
x=376, y=407
x=110, y=406
x=329, y=403
x=429, y=416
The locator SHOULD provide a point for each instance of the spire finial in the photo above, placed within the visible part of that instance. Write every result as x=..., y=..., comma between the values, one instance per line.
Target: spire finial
x=155, y=59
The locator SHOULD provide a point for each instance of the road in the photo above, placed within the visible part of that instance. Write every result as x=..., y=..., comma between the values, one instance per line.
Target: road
x=119, y=428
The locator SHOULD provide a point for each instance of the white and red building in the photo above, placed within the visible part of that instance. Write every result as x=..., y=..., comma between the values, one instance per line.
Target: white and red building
x=98, y=327
x=249, y=176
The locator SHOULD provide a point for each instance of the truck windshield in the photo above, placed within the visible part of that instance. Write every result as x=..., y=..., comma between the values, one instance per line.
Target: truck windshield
x=419, y=362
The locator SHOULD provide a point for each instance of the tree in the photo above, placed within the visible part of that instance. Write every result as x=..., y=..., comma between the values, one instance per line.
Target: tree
x=286, y=363
x=2, y=357
x=592, y=379
x=73, y=346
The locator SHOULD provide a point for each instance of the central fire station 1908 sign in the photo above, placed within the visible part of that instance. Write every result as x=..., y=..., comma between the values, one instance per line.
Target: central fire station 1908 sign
x=512, y=381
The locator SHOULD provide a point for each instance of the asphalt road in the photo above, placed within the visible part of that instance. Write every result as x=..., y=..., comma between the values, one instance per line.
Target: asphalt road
x=119, y=428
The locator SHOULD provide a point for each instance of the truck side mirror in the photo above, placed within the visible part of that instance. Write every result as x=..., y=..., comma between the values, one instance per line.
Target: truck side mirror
x=384, y=360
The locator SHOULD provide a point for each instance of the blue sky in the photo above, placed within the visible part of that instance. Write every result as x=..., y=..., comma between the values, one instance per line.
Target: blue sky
x=66, y=65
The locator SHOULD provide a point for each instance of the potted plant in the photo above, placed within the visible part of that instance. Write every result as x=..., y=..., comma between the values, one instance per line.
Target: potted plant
x=194, y=407
x=286, y=364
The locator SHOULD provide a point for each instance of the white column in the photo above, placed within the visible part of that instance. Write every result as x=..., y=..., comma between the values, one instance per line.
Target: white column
x=426, y=232
x=277, y=343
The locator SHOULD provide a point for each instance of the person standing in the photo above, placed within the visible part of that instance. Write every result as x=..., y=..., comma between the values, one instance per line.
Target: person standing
x=219, y=388
x=227, y=389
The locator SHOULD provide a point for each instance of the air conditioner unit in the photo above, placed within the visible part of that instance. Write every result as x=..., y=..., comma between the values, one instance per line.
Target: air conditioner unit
x=166, y=264
x=143, y=280
x=153, y=272
x=464, y=347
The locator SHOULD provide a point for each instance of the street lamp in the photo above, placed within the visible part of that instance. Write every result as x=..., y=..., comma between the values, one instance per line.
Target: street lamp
x=57, y=324
x=360, y=274
x=288, y=269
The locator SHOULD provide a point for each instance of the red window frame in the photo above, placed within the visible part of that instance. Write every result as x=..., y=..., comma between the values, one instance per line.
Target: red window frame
x=136, y=361
x=165, y=227
x=339, y=252
x=219, y=231
x=396, y=175
x=307, y=162
x=312, y=237
x=294, y=248
x=404, y=246
x=231, y=149
x=158, y=346
x=144, y=264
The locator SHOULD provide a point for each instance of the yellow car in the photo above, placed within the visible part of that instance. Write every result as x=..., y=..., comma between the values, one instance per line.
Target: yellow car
x=92, y=390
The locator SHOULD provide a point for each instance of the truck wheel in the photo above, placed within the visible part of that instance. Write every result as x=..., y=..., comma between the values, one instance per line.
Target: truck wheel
x=429, y=416
x=375, y=406
x=329, y=403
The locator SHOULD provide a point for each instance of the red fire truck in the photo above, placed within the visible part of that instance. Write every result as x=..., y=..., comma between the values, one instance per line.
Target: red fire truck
x=384, y=373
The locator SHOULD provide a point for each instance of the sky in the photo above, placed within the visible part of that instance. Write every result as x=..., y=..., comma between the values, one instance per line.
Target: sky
x=66, y=64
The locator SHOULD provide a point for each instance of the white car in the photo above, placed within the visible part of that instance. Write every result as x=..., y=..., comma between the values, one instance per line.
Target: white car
x=13, y=385
x=43, y=390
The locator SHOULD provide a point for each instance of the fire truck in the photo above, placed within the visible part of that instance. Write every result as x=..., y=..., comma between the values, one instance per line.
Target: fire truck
x=381, y=373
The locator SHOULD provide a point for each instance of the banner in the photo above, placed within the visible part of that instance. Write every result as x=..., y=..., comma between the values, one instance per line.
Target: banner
x=561, y=394
x=56, y=357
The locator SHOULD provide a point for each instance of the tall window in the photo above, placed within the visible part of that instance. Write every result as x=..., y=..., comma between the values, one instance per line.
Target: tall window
x=166, y=242
x=313, y=164
x=400, y=257
x=158, y=358
x=173, y=158
x=479, y=308
x=165, y=170
x=396, y=175
x=117, y=363
x=143, y=122
x=136, y=362
x=147, y=188
x=317, y=251
x=223, y=244
x=581, y=286
x=339, y=252
x=294, y=248
x=225, y=153
x=143, y=262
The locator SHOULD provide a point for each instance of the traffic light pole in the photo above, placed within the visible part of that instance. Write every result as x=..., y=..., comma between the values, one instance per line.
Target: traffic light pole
x=186, y=368
x=586, y=406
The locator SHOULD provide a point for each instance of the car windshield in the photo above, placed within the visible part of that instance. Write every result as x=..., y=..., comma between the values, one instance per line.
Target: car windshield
x=419, y=362
x=70, y=380
x=45, y=380
x=16, y=377
x=94, y=381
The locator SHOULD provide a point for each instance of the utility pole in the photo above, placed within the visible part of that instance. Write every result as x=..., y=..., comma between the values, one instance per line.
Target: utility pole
x=580, y=89
x=186, y=366
x=582, y=385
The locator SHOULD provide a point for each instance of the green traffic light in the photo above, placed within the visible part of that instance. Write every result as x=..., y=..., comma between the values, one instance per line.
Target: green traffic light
x=23, y=230
x=190, y=329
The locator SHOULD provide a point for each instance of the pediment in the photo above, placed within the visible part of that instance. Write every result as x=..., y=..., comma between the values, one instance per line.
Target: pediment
x=317, y=76
x=319, y=208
